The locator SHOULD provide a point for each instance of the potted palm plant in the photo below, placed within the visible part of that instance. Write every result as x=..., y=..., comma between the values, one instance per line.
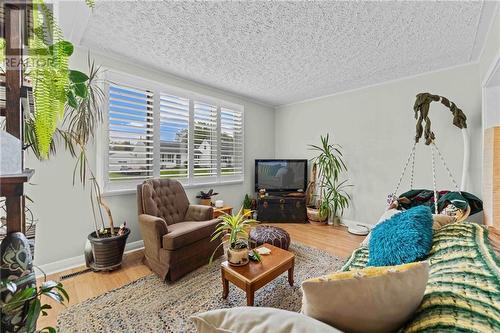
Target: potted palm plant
x=333, y=198
x=234, y=229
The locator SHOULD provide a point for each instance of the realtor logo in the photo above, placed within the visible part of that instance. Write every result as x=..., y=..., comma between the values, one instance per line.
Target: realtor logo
x=34, y=23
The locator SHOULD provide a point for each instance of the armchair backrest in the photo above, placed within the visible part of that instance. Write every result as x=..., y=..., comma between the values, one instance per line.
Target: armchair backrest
x=163, y=198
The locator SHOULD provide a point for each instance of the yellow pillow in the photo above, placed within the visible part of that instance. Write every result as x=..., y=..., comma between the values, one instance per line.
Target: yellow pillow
x=374, y=299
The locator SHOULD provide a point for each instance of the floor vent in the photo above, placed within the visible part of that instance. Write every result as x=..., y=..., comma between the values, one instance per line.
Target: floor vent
x=70, y=275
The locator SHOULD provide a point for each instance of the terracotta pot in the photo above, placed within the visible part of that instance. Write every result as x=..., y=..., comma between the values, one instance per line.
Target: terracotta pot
x=237, y=257
x=206, y=202
x=106, y=253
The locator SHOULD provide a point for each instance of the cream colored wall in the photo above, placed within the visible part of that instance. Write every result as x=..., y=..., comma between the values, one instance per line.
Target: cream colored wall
x=376, y=126
x=491, y=47
x=63, y=210
x=491, y=123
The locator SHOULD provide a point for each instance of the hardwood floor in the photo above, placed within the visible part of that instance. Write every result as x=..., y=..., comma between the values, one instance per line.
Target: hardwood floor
x=335, y=240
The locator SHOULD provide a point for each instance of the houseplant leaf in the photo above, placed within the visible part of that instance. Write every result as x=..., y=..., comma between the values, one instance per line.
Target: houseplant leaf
x=80, y=90
x=77, y=76
x=72, y=99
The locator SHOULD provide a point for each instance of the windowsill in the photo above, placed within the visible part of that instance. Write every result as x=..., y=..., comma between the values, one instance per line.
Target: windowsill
x=110, y=193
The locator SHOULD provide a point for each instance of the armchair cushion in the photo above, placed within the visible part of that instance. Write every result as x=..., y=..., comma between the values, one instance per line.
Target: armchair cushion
x=184, y=233
x=199, y=213
x=164, y=198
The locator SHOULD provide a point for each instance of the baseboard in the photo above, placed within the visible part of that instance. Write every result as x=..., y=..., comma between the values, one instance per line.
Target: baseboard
x=349, y=223
x=73, y=262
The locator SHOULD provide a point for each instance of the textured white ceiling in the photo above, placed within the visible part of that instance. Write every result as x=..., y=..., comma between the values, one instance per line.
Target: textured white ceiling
x=283, y=52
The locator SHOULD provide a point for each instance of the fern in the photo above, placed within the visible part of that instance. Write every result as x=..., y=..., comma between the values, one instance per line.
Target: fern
x=2, y=53
x=90, y=3
x=48, y=70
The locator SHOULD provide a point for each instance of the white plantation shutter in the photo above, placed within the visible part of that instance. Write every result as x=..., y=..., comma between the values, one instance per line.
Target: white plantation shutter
x=174, y=136
x=130, y=133
x=204, y=140
x=157, y=131
x=231, y=143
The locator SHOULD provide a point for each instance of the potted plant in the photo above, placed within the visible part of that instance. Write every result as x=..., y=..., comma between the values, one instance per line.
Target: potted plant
x=247, y=205
x=333, y=198
x=206, y=197
x=337, y=199
x=23, y=307
x=235, y=231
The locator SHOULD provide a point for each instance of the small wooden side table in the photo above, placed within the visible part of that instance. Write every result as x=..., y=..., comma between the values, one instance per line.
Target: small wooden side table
x=220, y=211
x=256, y=275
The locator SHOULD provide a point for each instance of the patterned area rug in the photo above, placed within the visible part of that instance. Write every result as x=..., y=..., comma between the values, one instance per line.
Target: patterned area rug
x=150, y=305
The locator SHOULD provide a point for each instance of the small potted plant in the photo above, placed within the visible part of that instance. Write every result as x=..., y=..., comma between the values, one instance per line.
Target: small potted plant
x=235, y=229
x=206, y=197
x=247, y=205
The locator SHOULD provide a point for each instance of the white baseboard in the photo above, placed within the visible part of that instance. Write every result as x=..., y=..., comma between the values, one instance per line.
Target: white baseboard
x=64, y=264
x=348, y=223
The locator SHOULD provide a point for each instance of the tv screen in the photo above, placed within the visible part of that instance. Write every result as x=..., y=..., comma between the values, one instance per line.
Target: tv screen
x=280, y=175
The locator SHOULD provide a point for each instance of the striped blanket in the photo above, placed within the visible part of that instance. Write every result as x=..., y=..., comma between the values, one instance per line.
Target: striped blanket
x=463, y=291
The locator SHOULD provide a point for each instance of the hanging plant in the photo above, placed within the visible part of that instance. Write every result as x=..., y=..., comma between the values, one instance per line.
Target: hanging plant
x=54, y=84
x=2, y=53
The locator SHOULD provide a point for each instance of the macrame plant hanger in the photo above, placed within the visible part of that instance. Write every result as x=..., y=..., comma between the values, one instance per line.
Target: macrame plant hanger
x=421, y=109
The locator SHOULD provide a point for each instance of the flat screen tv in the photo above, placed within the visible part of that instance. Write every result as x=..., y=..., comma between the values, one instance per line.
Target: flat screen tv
x=281, y=175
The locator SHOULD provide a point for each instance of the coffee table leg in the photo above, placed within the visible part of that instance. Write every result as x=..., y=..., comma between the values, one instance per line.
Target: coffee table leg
x=250, y=295
x=290, y=276
x=225, y=287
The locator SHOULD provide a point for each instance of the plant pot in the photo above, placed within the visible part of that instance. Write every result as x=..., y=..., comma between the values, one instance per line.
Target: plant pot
x=334, y=220
x=206, y=202
x=314, y=217
x=106, y=253
x=247, y=212
x=237, y=257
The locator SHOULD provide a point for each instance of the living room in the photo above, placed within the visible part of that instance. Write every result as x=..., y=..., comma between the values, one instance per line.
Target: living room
x=231, y=97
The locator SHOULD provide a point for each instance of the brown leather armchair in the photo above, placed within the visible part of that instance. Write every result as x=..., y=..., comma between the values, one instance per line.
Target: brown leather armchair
x=176, y=234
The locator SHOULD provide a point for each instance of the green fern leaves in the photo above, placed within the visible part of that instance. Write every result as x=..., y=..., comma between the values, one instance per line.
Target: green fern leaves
x=54, y=84
x=2, y=50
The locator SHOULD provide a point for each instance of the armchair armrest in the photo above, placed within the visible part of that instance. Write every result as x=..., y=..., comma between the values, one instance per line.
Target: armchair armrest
x=199, y=213
x=152, y=230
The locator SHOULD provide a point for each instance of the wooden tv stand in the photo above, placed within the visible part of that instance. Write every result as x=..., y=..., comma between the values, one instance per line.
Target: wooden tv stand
x=282, y=208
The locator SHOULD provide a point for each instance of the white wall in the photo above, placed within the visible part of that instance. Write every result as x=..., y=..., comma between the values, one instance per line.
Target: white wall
x=491, y=48
x=376, y=128
x=63, y=210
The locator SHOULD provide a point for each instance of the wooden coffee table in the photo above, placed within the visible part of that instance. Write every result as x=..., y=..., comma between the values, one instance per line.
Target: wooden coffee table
x=255, y=275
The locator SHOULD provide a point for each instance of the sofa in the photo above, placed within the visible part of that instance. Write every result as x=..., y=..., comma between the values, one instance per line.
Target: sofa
x=462, y=293
x=176, y=234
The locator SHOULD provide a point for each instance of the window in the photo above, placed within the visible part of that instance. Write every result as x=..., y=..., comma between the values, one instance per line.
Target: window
x=130, y=119
x=231, y=142
x=174, y=130
x=205, y=140
x=156, y=131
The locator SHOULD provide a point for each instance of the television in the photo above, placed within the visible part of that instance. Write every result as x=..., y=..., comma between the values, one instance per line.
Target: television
x=288, y=175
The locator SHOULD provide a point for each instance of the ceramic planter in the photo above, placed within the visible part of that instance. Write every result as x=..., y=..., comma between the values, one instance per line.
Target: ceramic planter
x=237, y=257
x=314, y=216
x=105, y=253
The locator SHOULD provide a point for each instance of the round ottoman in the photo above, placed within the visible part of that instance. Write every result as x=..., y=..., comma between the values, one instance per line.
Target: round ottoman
x=270, y=235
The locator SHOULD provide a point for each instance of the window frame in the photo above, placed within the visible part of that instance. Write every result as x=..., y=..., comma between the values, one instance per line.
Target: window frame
x=102, y=147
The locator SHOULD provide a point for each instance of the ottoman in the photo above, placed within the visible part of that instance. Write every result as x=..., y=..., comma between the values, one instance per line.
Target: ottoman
x=270, y=235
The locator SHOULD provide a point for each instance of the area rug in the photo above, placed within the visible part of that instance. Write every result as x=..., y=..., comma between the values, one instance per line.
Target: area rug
x=151, y=305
